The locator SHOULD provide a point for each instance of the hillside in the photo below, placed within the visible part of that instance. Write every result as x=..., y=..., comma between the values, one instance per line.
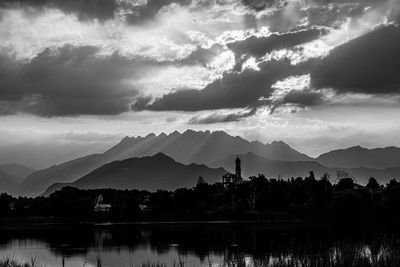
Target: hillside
x=253, y=165
x=66, y=172
x=356, y=157
x=201, y=147
x=18, y=171
x=8, y=184
x=188, y=147
x=147, y=173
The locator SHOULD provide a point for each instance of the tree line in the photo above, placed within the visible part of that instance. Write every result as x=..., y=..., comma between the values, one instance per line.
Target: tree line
x=259, y=198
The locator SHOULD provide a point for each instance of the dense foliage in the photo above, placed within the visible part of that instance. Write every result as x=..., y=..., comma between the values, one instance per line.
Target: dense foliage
x=258, y=198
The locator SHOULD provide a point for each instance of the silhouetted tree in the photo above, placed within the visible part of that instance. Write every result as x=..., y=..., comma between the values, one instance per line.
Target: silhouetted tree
x=200, y=181
x=372, y=184
x=5, y=201
x=325, y=177
x=259, y=197
x=161, y=202
x=345, y=184
x=392, y=183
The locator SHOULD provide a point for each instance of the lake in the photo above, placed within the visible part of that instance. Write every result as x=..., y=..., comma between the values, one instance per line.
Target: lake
x=197, y=244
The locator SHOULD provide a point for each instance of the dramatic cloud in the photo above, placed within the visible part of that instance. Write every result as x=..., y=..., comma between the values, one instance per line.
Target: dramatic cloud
x=217, y=117
x=145, y=10
x=100, y=9
x=262, y=61
x=259, y=5
x=234, y=90
x=304, y=98
x=295, y=91
x=69, y=81
x=259, y=46
x=250, y=67
x=131, y=11
x=369, y=64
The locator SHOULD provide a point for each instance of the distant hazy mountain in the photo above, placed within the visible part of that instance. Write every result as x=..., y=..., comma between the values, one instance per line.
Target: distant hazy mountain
x=147, y=173
x=66, y=172
x=382, y=175
x=253, y=164
x=187, y=147
x=201, y=147
x=8, y=184
x=17, y=171
x=355, y=157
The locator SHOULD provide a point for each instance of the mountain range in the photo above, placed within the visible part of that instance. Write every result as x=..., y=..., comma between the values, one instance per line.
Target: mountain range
x=163, y=172
x=252, y=165
x=146, y=173
x=358, y=157
x=7, y=183
x=18, y=172
x=11, y=175
x=188, y=147
x=218, y=149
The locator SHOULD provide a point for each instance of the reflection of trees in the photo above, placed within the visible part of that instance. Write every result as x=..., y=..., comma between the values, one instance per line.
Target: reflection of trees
x=235, y=244
x=377, y=253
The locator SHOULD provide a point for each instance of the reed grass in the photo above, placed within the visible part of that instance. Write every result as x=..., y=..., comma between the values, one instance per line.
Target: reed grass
x=345, y=257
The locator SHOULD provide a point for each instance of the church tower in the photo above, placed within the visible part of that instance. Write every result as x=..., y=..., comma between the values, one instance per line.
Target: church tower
x=238, y=168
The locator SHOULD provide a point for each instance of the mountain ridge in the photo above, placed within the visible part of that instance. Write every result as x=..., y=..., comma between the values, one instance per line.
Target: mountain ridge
x=358, y=157
x=136, y=175
x=252, y=165
x=18, y=171
x=139, y=173
x=187, y=147
x=205, y=147
x=8, y=184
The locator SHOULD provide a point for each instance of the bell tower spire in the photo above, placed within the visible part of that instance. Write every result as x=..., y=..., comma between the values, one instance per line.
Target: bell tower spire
x=238, y=168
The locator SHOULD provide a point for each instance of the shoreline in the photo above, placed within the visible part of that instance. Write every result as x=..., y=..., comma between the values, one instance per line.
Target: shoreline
x=30, y=223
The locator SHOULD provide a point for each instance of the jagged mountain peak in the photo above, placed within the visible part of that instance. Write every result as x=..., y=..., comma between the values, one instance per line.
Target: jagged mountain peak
x=174, y=133
x=200, y=147
x=150, y=135
x=280, y=143
x=163, y=135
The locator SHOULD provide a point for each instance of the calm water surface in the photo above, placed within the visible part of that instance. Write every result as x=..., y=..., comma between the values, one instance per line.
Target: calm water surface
x=194, y=244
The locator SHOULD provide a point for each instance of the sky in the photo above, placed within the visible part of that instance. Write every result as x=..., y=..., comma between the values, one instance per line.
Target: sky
x=77, y=76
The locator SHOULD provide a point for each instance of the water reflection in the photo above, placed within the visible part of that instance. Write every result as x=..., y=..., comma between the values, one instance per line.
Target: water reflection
x=197, y=245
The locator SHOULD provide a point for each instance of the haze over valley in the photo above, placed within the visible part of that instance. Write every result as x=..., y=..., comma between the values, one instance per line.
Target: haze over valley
x=177, y=160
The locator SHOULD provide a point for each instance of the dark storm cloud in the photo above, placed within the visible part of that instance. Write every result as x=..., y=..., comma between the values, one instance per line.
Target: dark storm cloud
x=303, y=98
x=69, y=81
x=259, y=46
x=85, y=9
x=253, y=46
x=141, y=102
x=134, y=13
x=233, y=90
x=325, y=13
x=150, y=10
x=203, y=55
x=369, y=64
x=325, y=2
x=259, y=5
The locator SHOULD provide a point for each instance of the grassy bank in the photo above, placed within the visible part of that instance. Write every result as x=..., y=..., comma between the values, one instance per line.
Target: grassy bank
x=14, y=263
x=391, y=261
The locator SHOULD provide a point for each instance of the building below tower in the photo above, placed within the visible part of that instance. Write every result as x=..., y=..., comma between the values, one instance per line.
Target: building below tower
x=233, y=179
